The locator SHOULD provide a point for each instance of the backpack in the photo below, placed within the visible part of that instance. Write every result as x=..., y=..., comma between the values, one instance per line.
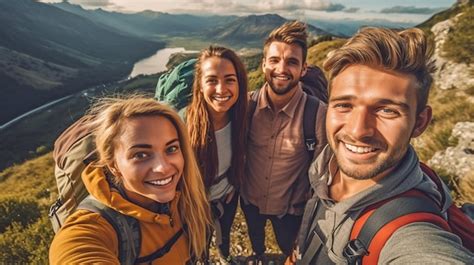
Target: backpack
x=377, y=223
x=73, y=151
x=176, y=86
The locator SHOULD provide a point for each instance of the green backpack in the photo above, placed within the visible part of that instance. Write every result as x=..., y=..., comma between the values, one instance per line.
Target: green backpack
x=175, y=87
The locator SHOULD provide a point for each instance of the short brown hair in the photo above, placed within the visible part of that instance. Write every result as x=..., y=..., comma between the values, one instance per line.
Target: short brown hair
x=404, y=52
x=293, y=32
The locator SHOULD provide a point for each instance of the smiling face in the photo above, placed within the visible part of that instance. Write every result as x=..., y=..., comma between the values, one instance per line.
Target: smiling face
x=370, y=120
x=219, y=84
x=283, y=66
x=148, y=159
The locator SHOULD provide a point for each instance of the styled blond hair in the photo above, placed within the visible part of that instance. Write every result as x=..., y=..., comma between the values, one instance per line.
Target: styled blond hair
x=404, y=52
x=292, y=32
x=110, y=115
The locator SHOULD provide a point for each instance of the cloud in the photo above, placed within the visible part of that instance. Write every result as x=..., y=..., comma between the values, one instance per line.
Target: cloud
x=334, y=7
x=265, y=6
x=351, y=10
x=410, y=10
x=93, y=3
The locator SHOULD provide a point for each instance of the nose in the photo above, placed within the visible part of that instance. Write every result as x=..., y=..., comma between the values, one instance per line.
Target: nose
x=360, y=124
x=220, y=86
x=280, y=67
x=161, y=165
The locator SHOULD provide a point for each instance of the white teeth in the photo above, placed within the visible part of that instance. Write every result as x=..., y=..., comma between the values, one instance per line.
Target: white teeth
x=359, y=149
x=284, y=78
x=221, y=98
x=161, y=182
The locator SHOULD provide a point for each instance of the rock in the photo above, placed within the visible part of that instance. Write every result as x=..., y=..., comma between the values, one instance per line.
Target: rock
x=449, y=74
x=458, y=160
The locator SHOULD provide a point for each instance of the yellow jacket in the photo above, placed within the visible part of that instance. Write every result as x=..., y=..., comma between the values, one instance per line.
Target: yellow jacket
x=86, y=237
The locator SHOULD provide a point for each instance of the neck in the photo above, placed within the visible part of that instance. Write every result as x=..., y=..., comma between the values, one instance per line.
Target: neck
x=344, y=187
x=140, y=200
x=219, y=120
x=277, y=102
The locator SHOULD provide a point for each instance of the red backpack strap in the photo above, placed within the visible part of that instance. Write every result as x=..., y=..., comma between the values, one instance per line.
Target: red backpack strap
x=377, y=224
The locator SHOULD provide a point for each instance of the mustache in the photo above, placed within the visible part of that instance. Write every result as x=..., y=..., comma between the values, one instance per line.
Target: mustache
x=370, y=141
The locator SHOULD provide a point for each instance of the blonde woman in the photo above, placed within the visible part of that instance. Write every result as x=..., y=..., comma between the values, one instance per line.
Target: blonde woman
x=144, y=147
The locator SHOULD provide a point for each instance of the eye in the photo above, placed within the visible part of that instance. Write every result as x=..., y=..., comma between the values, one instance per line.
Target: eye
x=388, y=112
x=273, y=60
x=211, y=81
x=172, y=149
x=140, y=156
x=230, y=80
x=342, y=106
x=293, y=62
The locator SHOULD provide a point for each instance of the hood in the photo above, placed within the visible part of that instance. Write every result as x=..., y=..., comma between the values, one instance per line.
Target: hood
x=96, y=183
x=407, y=175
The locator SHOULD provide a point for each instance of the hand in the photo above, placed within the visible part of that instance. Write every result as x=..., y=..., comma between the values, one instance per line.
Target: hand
x=229, y=196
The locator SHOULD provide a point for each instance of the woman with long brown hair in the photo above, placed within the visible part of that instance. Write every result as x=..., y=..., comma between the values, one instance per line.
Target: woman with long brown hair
x=147, y=171
x=216, y=120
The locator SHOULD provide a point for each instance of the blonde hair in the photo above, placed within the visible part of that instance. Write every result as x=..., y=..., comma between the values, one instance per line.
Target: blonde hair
x=110, y=115
x=292, y=32
x=405, y=52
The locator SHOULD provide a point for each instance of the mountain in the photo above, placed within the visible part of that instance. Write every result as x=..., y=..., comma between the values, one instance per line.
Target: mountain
x=347, y=27
x=48, y=52
x=253, y=29
x=147, y=23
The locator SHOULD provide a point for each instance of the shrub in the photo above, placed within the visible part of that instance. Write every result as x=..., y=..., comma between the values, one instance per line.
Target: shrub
x=26, y=246
x=15, y=209
x=459, y=45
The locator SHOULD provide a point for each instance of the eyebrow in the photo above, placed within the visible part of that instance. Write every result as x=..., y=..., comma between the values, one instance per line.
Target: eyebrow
x=215, y=76
x=149, y=145
x=382, y=101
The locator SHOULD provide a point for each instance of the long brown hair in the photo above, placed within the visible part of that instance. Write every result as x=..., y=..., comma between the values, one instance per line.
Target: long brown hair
x=201, y=129
x=110, y=115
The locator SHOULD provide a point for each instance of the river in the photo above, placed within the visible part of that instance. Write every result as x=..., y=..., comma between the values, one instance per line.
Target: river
x=155, y=63
x=151, y=65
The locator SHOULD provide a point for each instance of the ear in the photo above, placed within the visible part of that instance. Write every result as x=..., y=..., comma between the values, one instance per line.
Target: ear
x=114, y=169
x=263, y=65
x=305, y=68
x=422, y=121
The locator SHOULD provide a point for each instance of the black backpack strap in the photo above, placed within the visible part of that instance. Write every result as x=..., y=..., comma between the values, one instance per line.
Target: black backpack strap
x=163, y=250
x=391, y=210
x=126, y=227
x=309, y=124
x=309, y=119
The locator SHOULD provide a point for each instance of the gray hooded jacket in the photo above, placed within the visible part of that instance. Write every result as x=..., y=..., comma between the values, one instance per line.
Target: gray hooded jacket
x=416, y=243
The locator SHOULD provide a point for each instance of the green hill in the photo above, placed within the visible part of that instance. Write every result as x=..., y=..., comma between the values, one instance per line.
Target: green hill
x=48, y=53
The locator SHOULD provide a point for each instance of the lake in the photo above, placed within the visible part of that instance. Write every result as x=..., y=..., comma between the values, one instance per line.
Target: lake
x=155, y=63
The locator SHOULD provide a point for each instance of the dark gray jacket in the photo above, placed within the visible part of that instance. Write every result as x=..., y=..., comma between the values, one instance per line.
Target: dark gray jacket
x=420, y=242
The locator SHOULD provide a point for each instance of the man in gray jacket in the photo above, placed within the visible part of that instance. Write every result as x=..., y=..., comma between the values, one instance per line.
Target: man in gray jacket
x=379, y=84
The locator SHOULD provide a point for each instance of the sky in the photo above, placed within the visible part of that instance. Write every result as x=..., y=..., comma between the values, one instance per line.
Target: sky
x=411, y=11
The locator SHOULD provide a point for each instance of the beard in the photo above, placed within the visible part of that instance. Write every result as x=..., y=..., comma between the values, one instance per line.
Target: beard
x=370, y=169
x=280, y=90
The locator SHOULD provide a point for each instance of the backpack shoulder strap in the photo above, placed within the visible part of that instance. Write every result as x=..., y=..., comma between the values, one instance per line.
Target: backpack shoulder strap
x=309, y=123
x=127, y=229
x=376, y=225
x=309, y=119
x=252, y=105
